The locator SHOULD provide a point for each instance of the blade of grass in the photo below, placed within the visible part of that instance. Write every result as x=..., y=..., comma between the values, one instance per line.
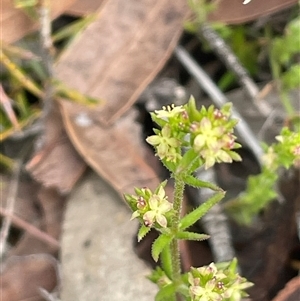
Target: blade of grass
x=20, y=75
x=73, y=29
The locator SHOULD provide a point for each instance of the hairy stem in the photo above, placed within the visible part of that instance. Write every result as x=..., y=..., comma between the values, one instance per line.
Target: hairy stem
x=177, y=205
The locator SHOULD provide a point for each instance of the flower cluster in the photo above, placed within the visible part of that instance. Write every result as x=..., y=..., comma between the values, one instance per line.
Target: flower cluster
x=208, y=283
x=151, y=208
x=212, y=135
x=209, y=132
x=166, y=145
x=286, y=152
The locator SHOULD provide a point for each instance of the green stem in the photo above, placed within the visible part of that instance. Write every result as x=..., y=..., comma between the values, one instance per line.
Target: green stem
x=177, y=205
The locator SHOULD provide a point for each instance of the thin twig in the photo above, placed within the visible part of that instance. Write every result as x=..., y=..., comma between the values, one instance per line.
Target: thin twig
x=219, y=99
x=232, y=62
x=37, y=233
x=6, y=103
x=11, y=200
x=47, y=56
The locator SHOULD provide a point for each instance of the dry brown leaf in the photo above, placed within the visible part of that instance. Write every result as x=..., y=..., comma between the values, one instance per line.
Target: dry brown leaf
x=235, y=12
x=115, y=59
x=84, y=7
x=291, y=291
x=26, y=200
x=57, y=165
x=23, y=276
x=119, y=54
x=112, y=152
x=14, y=23
x=52, y=204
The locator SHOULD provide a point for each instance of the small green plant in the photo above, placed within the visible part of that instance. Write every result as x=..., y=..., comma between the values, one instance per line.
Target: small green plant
x=284, y=61
x=187, y=140
x=283, y=154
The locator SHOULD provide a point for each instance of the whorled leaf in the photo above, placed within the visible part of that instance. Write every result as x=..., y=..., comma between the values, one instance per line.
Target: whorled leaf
x=166, y=293
x=186, y=235
x=143, y=231
x=196, y=214
x=159, y=244
x=197, y=183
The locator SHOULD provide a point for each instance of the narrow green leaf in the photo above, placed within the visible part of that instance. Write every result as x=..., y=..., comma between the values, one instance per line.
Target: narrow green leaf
x=195, y=182
x=188, y=163
x=73, y=29
x=166, y=261
x=192, y=111
x=159, y=244
x=25, y=3
x=196, y=214
x=166, y=293
x=186, y=235
x=171, y=166
x=62, y=90
x=143, y=231
x=20, y=75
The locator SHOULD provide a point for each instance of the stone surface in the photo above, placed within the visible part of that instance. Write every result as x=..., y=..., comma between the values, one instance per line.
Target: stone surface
x=98, y=262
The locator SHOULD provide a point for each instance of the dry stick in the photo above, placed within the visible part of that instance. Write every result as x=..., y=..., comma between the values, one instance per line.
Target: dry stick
x=219, y=99
x=47, y=57
x=30, y=229
x=232, y=62
x=6, y=103
x=11, y=200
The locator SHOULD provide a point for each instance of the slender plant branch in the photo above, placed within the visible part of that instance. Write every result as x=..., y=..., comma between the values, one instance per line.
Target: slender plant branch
x=177, y=205
x=47, y=56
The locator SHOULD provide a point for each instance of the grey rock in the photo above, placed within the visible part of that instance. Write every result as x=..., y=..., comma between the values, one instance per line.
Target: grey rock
x=98, y=261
